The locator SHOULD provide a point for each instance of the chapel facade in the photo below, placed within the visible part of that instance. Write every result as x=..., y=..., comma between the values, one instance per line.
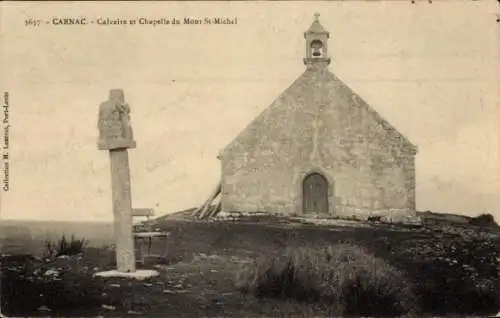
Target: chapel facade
x=319, y=150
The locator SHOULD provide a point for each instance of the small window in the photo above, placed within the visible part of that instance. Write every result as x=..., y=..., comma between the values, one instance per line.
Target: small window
x=316, y=48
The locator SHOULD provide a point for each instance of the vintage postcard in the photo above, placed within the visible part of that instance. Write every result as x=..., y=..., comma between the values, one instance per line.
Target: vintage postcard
x=250, y=159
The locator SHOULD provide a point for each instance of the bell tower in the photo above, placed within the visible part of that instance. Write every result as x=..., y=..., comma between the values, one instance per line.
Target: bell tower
x=316, y=45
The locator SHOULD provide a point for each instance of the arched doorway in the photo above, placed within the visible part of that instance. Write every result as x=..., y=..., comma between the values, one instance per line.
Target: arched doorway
x=315, y=194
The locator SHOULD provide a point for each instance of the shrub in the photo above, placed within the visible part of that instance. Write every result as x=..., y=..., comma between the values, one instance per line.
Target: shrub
x=64, y=247
x=484, y=220
x=344, y=278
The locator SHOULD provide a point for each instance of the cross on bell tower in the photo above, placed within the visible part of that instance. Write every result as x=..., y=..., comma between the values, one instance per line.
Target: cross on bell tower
x=316, y=44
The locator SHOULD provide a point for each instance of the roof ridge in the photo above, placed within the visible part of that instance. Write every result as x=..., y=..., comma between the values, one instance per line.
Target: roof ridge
x=263, y=112
x=356, y=99
x=379, y=118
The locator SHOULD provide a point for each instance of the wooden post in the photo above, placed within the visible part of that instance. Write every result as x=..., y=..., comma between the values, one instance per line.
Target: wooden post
x=210, y=200
x=216, y=209
x=200, y=210
x=115, y=136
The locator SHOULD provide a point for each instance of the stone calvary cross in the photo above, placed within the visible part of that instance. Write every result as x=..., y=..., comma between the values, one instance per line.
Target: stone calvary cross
x=116, y=136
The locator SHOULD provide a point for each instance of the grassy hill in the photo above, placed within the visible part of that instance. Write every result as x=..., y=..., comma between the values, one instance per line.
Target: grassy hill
x=450, y=269
x=267, y=267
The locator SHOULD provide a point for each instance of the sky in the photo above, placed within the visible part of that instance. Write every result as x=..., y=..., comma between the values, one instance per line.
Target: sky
x=429, y=69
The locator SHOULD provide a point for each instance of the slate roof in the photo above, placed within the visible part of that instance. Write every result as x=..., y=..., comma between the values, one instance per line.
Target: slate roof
x=316, y=90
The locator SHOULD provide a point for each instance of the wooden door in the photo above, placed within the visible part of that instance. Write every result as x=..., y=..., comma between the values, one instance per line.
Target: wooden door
x=315, y=194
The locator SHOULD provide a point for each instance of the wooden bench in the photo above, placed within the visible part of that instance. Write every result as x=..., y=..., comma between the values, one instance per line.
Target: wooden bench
x=143, y=212
x=147, y=237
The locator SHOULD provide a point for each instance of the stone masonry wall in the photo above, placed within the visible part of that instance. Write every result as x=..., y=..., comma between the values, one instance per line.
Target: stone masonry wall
x=370, y=169
x=368, y=178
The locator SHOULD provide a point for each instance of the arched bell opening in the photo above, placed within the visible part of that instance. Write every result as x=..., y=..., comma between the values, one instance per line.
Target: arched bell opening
x=317, y=49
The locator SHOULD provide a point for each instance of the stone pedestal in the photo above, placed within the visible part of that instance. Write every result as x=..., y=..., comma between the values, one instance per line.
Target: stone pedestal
x=140, y=274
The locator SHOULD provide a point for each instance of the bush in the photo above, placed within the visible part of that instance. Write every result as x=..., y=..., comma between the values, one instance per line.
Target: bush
x=343, y=278
x=64, y=247
x=484, y=220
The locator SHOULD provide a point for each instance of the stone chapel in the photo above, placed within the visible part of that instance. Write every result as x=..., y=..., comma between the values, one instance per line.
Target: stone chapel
x=319, y=150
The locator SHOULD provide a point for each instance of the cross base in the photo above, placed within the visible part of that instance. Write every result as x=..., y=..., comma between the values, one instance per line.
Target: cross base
x=139, y=274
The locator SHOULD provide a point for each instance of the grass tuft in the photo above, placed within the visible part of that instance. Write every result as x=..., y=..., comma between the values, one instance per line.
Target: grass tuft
x=344, y=278
x=62, y=246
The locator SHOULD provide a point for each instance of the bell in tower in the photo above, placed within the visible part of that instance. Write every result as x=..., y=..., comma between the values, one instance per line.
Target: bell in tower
x=316, y=49
x=316, y=44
